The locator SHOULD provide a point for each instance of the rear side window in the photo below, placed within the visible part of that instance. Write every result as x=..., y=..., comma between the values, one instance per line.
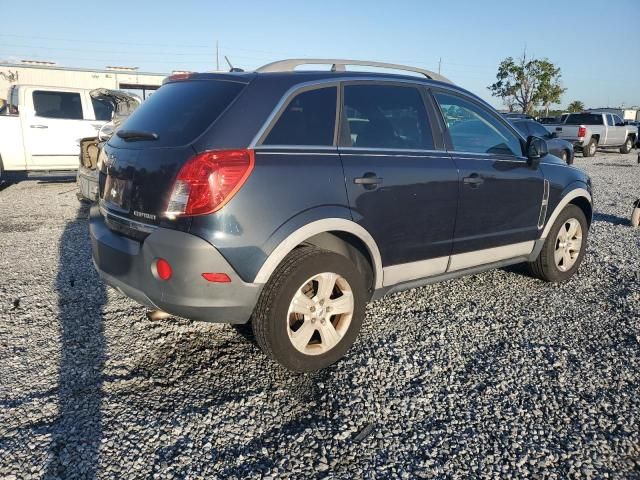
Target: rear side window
x=584, y=118
x=179, y=112
x=102, y=108
x=66, y=105
x=386, y=116
x=309, y=119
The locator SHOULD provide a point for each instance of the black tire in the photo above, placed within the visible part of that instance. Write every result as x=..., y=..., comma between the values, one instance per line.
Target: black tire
x=544, y=267
x=270, y=321
x=569, y=158
x=628, y=145
x=589, y=150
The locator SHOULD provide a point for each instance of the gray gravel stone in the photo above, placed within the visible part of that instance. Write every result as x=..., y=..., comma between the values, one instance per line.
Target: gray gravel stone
x=492, y=375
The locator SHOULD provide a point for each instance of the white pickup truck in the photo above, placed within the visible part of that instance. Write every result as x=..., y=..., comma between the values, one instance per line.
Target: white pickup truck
x=593, y=130
x=40, y=128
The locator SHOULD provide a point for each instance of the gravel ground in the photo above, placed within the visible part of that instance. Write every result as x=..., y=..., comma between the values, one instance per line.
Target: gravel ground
x=495, y=374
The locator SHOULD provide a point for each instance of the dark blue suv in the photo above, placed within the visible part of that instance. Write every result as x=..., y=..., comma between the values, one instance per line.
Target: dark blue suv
x=289, y=199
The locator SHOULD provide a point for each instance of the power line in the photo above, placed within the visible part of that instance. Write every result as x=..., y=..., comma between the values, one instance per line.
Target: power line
x=115, y=52
x=75, y=40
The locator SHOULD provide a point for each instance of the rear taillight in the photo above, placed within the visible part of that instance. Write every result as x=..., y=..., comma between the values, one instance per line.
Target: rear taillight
x=582, y=131
x=208, y=181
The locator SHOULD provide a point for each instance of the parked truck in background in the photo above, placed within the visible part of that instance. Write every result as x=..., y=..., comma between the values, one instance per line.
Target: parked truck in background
x=40, y=128
x=593, y=130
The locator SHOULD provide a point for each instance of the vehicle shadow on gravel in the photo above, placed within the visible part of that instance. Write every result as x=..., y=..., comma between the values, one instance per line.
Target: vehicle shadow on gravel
x=612, y=219
x=77, y=432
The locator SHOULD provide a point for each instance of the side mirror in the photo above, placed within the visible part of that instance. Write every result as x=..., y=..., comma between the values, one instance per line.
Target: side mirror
x=553, y=134
x=536, y=150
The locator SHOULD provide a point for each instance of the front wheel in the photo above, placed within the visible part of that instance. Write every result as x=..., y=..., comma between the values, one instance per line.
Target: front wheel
x=311, y=309
x=564, y=248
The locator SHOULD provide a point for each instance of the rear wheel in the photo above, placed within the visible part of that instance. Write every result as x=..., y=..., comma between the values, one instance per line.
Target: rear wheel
x=311, y=310
x=564, y=248
x=589, y=150
x=628, y=145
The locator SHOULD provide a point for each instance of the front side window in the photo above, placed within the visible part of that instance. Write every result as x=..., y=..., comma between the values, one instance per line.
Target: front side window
x=66, y=105
x=610, y=120
x=386, y=116
x=617, y=120
x=538, y=130
x=522, y=128
x=309, y=119
x=474, y=129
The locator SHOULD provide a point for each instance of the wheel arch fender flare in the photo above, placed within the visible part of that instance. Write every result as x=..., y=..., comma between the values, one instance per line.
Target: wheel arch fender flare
x=574, y=191
x=314, y=227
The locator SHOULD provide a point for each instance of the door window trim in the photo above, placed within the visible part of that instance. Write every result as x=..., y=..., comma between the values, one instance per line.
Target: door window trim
x=496, y=116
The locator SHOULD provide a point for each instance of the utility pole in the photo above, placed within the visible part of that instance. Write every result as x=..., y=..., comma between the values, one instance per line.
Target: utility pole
x=217, y=57
x=439, y=64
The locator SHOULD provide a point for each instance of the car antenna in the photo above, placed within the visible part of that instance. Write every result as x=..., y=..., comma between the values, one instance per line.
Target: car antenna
x=231, y=67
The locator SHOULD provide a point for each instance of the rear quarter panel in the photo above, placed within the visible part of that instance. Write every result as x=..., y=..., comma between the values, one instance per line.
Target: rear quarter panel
x=286, y=190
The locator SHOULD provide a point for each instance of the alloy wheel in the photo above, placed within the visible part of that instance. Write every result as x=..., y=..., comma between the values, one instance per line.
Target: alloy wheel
x=320, y=313
x=568, y=244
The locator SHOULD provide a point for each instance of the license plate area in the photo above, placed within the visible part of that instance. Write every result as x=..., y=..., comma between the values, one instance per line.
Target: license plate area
x=117, y=193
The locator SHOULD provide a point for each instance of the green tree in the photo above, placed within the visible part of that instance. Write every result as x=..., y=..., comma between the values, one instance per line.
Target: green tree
x=576, y=106
x=527, y=82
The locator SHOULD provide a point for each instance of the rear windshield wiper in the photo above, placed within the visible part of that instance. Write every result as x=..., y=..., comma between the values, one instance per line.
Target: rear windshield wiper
x=136, y=135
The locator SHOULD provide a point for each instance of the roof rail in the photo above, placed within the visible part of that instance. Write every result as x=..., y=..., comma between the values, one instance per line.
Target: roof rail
x=338, y=65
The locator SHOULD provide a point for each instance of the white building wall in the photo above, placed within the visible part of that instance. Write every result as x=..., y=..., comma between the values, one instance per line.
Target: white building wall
x=68, y=77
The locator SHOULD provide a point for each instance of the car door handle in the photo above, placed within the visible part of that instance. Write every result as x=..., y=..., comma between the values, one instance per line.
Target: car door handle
x=474, y=180
x=369, y=180
x=39, y=126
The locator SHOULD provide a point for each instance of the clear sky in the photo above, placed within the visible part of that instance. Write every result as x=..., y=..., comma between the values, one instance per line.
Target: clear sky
x=595, y=42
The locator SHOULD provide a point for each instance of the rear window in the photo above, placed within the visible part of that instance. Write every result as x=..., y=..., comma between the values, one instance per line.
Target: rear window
x=584, y=118
x=180, y=112
x=102, y=108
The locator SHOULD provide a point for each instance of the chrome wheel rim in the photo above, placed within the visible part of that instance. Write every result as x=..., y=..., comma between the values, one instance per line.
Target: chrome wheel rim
x=564, y=156
x=568, y=245
x=592, y=149
x=320, y=313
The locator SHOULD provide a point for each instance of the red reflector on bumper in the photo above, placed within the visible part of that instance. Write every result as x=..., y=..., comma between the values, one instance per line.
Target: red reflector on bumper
x=216, y=277
x=163, y=269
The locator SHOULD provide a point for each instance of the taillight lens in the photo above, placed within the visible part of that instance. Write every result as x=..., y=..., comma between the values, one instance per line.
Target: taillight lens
x=582, y=131
x=208, y=181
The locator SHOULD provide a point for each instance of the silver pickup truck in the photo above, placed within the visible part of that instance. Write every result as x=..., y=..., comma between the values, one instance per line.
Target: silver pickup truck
x=590, y=131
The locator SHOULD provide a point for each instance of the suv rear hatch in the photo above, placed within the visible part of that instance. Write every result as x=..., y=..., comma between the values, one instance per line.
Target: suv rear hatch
x=141, y=161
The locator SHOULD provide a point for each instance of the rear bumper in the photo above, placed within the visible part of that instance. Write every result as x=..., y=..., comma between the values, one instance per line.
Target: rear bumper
x=125, y=264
